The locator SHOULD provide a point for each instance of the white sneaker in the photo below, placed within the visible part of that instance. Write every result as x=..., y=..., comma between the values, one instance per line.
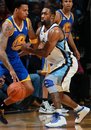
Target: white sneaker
x=57, y=121
x=45, y=111
x=78, y=127
x=81, y=114
x=64, y=110
x=45, y=118
x=46, y=108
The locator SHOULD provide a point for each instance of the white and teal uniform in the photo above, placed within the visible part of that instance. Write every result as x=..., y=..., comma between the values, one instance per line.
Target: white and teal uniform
x=60, y=64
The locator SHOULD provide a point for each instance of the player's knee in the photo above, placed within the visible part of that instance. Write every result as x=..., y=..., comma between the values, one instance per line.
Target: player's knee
x=29, y=91
x=48, y=83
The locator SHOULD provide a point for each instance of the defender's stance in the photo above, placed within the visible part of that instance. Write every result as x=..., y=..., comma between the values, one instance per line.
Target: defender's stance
x=62, y=65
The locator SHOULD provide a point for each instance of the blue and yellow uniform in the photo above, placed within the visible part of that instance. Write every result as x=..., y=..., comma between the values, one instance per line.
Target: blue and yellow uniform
x=66, y=23
x=14, y=44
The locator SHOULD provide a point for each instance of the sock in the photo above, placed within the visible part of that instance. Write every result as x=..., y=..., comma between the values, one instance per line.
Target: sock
x=45, y=99
x=77, y=108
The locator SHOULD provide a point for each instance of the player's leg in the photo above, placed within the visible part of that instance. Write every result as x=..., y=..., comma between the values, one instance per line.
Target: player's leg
x=58, y=120
x=46, y=107
x=24, y=77
x=65, y=84
x=2, y=118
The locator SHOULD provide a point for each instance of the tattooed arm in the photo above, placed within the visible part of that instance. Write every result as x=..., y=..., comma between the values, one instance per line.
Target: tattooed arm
x=7, y=30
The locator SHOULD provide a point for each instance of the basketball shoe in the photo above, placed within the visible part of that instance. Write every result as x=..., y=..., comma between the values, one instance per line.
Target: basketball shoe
x=57, y=121
x=81, y=114
x=46, y=108
x=2, y=118
x=44, y=118
x=64, y=110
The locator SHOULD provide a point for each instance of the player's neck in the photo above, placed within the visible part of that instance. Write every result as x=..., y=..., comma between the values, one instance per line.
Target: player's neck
x=66, y=12
x=48, y=26
x=17, y=21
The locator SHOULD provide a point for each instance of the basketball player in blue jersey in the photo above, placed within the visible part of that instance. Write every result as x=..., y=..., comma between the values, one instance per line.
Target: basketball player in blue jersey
x=62, y=67
x=13, y=35
x=65, y=19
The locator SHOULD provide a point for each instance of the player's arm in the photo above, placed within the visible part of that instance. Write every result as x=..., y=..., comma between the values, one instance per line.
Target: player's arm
x=58, y=17
x=32, y=35
x=6, y=32
x=33, y=40
x=22, y=53
x=73, y=46
x=53, y=37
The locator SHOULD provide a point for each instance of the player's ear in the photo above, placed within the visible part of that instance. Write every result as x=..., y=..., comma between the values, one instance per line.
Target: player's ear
x=16, y=10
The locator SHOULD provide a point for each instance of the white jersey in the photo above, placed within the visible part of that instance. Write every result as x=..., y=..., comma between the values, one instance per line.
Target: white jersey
x=60, y=54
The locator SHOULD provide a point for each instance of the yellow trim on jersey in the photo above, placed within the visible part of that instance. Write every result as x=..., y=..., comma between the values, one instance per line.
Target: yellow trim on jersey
x=28, y=22
x=20, y=29
x=8, y=20
x=33, y=41
x=28, y=78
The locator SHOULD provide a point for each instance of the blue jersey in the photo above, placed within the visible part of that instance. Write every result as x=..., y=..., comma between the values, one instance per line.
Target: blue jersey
x=17, y=38
x=66, y=23
x=14, y=44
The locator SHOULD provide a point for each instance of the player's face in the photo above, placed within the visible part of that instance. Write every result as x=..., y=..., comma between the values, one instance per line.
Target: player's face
x=45, y=16
x=23, y=11
x=67, y=4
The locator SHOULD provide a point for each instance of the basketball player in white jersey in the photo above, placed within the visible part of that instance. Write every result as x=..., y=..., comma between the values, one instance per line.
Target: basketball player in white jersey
x=62, y=65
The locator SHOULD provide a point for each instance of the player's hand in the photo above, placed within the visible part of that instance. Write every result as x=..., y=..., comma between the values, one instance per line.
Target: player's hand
x=14, y=76
x=22, y=53
x=25, y=47
x=77, y=54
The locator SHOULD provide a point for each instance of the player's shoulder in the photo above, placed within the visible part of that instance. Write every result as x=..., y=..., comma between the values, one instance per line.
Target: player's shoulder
x=72, y=15
x=55, y=30
x=29, y=23
x=28, y=20
x=58, y=16
x=7, y=27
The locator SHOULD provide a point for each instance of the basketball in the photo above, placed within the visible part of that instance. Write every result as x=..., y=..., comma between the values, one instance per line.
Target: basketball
x=16, y=91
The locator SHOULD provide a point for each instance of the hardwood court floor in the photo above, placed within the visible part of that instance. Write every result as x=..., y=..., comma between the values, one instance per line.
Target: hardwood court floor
x=35, y=121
